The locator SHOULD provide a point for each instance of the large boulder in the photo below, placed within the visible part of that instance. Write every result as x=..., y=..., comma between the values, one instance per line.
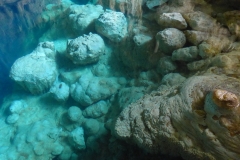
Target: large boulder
x=170, y=39
x=186, y=54
x=85, y=49
x=197, y=119
x=90, y=89
x=82, y=17
x=112, y=25
x=171, y=20
x=37, y=71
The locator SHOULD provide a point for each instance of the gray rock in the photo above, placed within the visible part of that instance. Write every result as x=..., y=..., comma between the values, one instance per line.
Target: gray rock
x=196, y=37
x=91, y=126
x=172, y=20
x=112, y=25
x=13, y=118
x=187, y=54
x=200, y=21
x=60, y=91
x=75, y=114
x=166, y=65
x=37, y=71
x=90, y=89
x=96, y=110
x=76, y=138
x=85, y=49
x=82, y=17
x=172, y=79
x=170, y=39
x=17, y=106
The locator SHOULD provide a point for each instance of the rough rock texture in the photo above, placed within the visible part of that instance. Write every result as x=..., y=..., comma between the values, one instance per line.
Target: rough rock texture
x=196, y=37
x=60, y=91
x=198, y=119
x=74, y=113
x=170, y=39
x=171, y=20
x=220, y=64
x=166, y=65
x=185, y=54
x=35, y=141
x=200, y=21
x=96, y=110
x=37, y=71
x=230, y=19
x=85, y=49
x=112, y=25
x=76, y=138
x=82, y=17
x=90, y=89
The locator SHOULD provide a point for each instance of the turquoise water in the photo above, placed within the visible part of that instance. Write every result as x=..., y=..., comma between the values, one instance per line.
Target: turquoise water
x=114, y=80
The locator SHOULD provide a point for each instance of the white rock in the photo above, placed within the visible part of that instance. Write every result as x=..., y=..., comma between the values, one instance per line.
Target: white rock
x=166, y=65
x=82, y=17
x=172, y=20
x=90, y=89
x=13, y=118
x=85, y=49
x=17, y=106
x=74, y=113
x=37, y=71
x=96, y=110
x=60, y=91
x=185, y=54
x=76, y=138
x=112, y=25
x=170, y=39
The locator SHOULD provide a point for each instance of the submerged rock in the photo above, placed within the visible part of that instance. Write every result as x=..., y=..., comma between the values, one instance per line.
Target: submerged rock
x=170, y=39
x=171, y=20
x=197, y=119
x=60, y=91
x=90, y=89
x=82, y=17
x=37, y=71
x=85, y=49
x=185, y=54
x=112, y=25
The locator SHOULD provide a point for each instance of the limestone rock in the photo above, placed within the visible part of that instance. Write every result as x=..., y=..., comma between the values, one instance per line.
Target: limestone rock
x=36, y=141
x=76, y=138
x=37, y=71
x=90, y=89
x=213, y=46
x=129, y=95
x=60, y=91
x=166, y=65
x=196, y=37
x=82, y=17
x=85, y=49
x=171, y=20
x=200, y=21
x=75, y=114
x=185, y=54
x=91, y=126
x=198, y=119
x=96, y=110
x=231, y=20
x=170, y=39
x=112, y=25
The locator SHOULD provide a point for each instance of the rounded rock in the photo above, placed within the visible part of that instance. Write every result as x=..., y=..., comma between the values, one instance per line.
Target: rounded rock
x=170, y=39
x=74, y=113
